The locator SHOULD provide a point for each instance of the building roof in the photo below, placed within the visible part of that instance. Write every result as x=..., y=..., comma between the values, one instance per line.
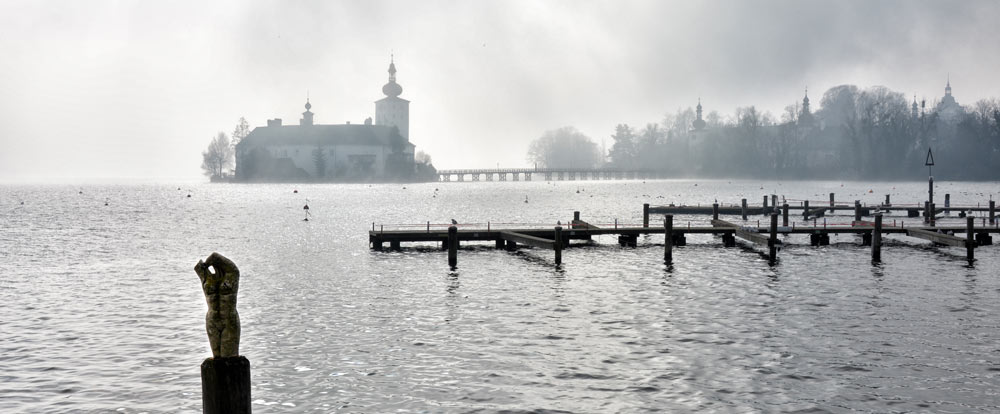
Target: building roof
x=346, y=134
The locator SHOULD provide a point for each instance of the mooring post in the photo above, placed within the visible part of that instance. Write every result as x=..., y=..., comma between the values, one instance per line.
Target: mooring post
x=970, y=242
x=576, y=216
x=452, y=246
x=645, y=215
x=805, y=209
x=877, y=239
x=831, y=199
x=857, y=210
x=772, y=242
x=715, y=211
x=927, y=213
x=947, y=203
x=225, y=377
x=668, y=238
x=784, y=215
x=774, y=201
x=558, y=245
x=743, y=209
x=931, y=212
x=993, y=211
x=887, y=203
x=765, y=210
x=428, y=226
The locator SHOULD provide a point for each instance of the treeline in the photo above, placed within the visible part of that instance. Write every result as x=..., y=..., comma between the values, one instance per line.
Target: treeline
x=872, y=133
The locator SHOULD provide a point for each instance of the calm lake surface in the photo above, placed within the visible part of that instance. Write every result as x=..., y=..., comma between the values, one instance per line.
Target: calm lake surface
x=102, y=312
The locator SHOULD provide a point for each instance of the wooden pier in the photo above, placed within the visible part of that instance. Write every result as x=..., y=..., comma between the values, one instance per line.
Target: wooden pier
x=557, y=238
x=548, y=174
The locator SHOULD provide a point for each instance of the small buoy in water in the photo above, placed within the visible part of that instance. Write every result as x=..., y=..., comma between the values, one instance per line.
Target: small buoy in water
x=189, y=196
x=870, y=191
x=295, y=191
x=695, y=184
x=178, y=189
x=81, y=191
x=305, y=219
x=525, y=199
x=305, y=207
x=22, y=203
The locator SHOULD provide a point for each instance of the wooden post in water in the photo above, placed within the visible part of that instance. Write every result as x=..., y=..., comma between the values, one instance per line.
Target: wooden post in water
x=774, y=201
x=765, y=211
x=805, y=209
x=970, y=242
x=993, y=211
x=887, y=203
x=877, y=239
x=559, y=244
x=857, y=210
x=743, y=209
x=926, y=212
x=645, y=215
x=831, y=199
x=668, y=239
x=715, y=211
x=930, y=212
x=772, y=242
x=576, y=216
x=452, y=246
x=784, y=215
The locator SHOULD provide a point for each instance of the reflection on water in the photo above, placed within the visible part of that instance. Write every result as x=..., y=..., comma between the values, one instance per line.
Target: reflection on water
x=102, y=311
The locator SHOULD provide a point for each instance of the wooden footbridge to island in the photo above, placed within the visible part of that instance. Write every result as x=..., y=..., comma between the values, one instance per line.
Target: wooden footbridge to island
x=776, y=222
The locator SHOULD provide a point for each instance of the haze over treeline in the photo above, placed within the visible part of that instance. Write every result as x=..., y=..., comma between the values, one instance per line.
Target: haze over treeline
x=138, y=89
x=870, y=133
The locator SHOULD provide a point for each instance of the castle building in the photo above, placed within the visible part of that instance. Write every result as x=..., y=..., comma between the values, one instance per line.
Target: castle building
x=309, y=152
x=948, y=109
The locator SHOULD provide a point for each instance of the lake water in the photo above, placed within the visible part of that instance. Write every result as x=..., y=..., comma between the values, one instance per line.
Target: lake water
x=101, y=311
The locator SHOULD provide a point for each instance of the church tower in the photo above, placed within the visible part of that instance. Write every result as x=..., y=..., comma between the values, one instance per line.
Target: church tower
x=915, y=109
x=393, y=110
x=698, y=123
x=307, y=116
x=805, y=117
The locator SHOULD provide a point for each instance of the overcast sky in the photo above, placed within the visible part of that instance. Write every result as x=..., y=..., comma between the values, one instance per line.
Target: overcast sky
x=135, y=90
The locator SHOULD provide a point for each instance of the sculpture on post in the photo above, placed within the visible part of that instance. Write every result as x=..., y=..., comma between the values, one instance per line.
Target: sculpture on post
x=220, y=281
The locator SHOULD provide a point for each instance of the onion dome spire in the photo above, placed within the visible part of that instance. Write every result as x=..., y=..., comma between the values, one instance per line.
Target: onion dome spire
x=392, y=89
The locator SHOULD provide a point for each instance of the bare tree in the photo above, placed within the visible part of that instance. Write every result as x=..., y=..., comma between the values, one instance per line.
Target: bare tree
x=564, y=148
x=218, y=157
x=241, y=131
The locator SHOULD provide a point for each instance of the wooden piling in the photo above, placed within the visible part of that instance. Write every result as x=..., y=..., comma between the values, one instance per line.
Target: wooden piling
x=715, y=211
x=947, y=201
x=993, y=211
x=877, y=239
x=930, y=213
x=970, y=242
x=831, y=200
x=500, y=243
x=559, y=244
x=743, y=209
x=668, y=238
x=887, y=203
x=765, y=211
x=645, y=215
x=225, y=385
x=772, y=242
x=805, y=209
x=857, y=210
x=576, y=215
x=927, y=213
x=774, y=201
x=452, y=246
x=784, y=215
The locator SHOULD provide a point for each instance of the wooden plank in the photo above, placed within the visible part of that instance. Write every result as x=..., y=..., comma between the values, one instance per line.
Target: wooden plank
x=746, y=233
x=533, y=241
x=817, y=212
x=935, y=237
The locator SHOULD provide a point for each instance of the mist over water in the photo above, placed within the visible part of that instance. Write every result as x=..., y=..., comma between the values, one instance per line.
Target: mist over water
x=103, y=312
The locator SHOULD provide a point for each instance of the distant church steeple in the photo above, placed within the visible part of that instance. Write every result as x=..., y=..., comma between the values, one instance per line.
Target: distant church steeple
x=698, y=123
x=307, y=116
x=916, y=109
x=947, y=88
x=393, y=110
x=805, y=116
